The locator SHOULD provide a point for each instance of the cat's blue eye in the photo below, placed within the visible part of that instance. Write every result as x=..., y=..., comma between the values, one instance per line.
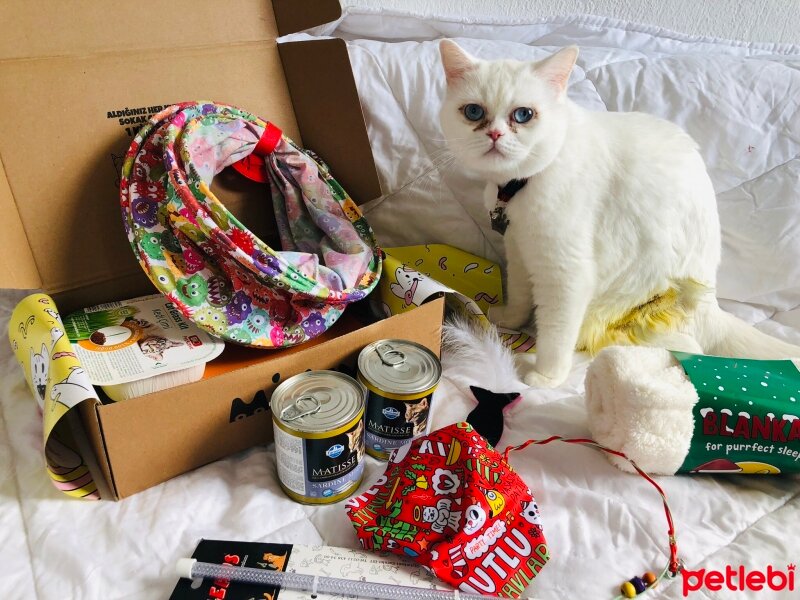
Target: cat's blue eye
x=523, y=114
x=474, y=112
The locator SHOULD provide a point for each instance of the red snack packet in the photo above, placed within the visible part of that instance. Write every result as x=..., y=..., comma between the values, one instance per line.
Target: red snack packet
x=449, y=501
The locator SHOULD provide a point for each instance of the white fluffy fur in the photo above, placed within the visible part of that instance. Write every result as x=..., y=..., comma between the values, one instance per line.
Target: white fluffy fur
x=639, y=401
x=467, y=351
x=618, y=207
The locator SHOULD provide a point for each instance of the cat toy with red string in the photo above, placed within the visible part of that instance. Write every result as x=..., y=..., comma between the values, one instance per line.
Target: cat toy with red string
x=452, y=503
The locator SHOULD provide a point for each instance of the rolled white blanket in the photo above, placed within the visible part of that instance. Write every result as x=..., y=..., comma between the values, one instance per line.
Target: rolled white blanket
x=744, y=419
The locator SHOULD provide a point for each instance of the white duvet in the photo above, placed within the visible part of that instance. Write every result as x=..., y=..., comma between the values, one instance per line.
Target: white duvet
x=603, y=526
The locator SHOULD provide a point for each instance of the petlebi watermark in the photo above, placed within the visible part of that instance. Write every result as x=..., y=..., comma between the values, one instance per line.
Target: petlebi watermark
x=740, y=579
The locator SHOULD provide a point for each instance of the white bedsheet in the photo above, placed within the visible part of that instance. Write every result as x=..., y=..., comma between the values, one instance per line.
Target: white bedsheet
x=741, y=103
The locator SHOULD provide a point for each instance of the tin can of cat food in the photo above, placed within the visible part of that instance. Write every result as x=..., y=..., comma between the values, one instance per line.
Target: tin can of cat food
x=401, y=377
x=318, y=418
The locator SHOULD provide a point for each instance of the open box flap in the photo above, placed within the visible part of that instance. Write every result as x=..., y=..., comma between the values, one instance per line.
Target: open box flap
x=329, y=112
x=73, y=100
x=291, y=18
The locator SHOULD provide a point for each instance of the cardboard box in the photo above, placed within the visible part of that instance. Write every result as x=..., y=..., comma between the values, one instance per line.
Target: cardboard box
x=76, y=81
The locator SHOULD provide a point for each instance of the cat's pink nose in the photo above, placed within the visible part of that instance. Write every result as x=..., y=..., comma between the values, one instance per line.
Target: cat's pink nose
x=494, y=134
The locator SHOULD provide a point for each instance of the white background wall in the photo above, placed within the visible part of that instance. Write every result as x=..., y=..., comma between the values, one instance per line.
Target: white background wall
x=750, y=20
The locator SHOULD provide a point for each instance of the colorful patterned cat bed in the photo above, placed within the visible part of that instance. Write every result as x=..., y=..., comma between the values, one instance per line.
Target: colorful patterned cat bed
x=216, y=271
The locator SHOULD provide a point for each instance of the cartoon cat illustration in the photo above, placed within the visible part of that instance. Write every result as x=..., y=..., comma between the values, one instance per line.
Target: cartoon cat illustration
x=241, y=409
x=40, y=364
x=407, y=286
x=56, y=333
x=475, y=518
x=154, y=346
x=72, y=390
x=530, y=512
x=417, y=415
x=441, y=516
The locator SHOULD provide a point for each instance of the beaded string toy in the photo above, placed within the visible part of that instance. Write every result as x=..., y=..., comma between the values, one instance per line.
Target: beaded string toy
x=649, y=580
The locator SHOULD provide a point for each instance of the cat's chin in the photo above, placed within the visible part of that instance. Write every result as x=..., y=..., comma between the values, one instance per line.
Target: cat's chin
x=494, y=151
x=495, y=167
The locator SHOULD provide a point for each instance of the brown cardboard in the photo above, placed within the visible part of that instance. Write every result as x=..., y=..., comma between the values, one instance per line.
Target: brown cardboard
x=18, y=267
x=203, y=409
x=76, y=81
x=69, y=98
x=318, y=103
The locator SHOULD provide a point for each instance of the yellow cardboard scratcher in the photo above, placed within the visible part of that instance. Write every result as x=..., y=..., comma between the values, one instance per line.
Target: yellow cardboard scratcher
x=471, y=285
x=59, y=384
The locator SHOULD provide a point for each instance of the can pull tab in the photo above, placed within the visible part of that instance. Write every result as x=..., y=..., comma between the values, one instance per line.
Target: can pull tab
x=389, y=356
x=302, y=407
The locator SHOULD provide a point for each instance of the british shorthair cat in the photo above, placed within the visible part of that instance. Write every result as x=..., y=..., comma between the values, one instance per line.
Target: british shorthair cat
x=610, y=220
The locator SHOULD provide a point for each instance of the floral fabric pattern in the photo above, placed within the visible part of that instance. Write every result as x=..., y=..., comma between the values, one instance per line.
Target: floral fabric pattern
x=215, y=270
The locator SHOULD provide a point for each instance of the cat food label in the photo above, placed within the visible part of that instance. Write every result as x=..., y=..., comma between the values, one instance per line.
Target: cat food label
x=391, y=423
x=747, y=419
x=127, y=341
x=401, y=376
x=320, y=470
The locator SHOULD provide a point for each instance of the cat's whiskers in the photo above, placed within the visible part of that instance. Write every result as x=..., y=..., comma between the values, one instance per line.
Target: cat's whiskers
x=448, y=141
x=447, y=159
x=442, y=153
x=431, y=184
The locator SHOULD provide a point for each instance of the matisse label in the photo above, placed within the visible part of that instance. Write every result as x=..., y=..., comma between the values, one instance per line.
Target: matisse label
x=322, y=469
x=392, y=423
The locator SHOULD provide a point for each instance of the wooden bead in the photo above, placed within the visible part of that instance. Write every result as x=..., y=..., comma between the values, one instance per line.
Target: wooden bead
x=638, y=584
x=649, y=578
x=628, y=590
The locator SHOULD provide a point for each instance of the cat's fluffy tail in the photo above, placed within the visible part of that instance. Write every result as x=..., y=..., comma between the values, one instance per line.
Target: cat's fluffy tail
x=476, y=355
x=722, y=334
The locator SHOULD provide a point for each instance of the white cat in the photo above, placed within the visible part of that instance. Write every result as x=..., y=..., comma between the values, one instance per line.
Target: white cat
x=407, y=287
x=73, y=389
x=40, y=364
x=615, y=236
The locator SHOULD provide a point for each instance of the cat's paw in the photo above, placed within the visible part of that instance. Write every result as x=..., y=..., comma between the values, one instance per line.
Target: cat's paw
x=535, y=379
x=502, y=316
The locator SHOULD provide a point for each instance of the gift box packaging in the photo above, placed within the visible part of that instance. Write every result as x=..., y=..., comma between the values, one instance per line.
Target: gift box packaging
x=73, y=99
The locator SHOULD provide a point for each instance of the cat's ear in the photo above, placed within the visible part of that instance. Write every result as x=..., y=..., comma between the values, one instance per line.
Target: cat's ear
x=455, y=61
x=555, y=69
